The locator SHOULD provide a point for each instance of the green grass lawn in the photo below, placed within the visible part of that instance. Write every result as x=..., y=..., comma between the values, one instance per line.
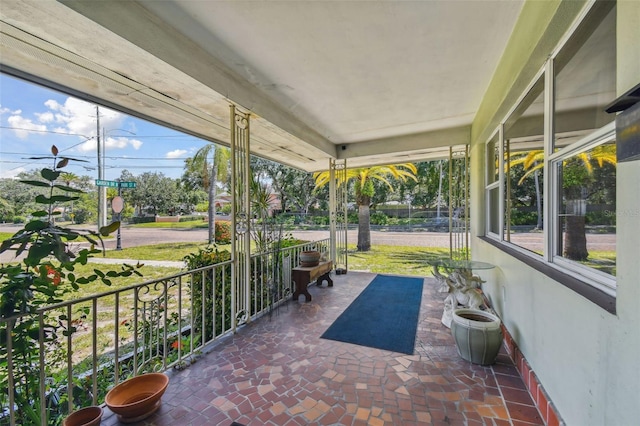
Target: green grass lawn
x=187, y=224
x=173, y=251
x=397, y=260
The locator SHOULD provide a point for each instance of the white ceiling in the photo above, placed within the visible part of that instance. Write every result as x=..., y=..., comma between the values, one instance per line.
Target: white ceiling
x=371, y=81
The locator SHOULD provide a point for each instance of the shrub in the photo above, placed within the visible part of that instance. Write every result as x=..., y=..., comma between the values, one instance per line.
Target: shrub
x=379, y=218
x=43, y=276
x=202, y=293
x=189, y=218
x=143, y=219
x=223, y=232
x=606, y=217
x=320, y=220
x=82, y=215
x=290, y=241
x=519, y=217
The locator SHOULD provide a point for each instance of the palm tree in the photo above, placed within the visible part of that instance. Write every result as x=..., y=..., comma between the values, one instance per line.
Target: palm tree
x=576, y=172
x=212, y=163
x=68, y=178
x=364, y=190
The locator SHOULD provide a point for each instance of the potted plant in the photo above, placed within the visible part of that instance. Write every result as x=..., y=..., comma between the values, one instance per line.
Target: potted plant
x=43, y=273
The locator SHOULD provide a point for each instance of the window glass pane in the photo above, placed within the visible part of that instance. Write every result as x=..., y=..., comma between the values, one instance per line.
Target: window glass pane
x=588, y=208
x=493, y=158
x=494, y=210
x=585, y=80
x=524, y=166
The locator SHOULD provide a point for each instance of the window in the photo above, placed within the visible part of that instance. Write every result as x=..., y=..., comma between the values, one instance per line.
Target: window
x=584, y=236
x=585, y=80
x=555, y=200
x=493, y=185
x=524, y=171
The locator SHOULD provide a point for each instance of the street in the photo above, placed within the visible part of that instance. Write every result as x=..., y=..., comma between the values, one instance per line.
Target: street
x=132, y=237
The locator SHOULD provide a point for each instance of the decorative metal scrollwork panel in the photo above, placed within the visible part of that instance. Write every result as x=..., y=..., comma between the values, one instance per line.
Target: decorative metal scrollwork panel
x=241, y=213
x=338, y=212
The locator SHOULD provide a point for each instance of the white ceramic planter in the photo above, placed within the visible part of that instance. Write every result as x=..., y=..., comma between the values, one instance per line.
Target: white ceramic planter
x=478, y=335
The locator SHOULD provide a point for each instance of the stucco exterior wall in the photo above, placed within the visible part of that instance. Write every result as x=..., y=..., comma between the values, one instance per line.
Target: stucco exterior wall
x=585, y=358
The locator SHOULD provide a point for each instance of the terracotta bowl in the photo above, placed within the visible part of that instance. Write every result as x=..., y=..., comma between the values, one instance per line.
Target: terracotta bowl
x=88, y=416
x=137, y=398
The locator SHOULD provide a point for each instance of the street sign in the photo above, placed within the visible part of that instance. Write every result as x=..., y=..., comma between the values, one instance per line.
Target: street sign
x=110, y=183
x=115, y=184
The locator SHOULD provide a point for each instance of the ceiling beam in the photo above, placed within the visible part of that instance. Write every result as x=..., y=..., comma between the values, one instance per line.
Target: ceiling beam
x=134, y=23
x=407, y=143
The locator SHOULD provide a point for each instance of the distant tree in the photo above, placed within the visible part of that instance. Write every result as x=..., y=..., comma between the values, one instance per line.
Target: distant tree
x=6, y=210
x=206, y=168
x=154, y=191
x=578, y=183
x=21, y=196
x=294, y=187
x=189, y=198
x=363, y=179
x=86, y=209
x=425, y=190
x=69, y=179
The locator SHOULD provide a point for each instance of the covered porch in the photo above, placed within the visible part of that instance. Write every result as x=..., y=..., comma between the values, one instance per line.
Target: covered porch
x=278, y=371
x=405, y=81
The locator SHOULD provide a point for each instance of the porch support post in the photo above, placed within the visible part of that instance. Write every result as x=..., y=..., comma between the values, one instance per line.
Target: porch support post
x=338, y=212
x=240, y=218
x=459, y=204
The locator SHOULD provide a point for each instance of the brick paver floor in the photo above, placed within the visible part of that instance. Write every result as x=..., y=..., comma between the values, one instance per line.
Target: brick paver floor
x=278, y=371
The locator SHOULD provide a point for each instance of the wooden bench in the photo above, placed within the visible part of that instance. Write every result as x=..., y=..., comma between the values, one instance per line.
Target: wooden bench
x=303, y=275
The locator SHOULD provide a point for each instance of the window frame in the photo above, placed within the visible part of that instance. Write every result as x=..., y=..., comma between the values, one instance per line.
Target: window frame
x=601, y=280
x=595, y=285
x=496, y=137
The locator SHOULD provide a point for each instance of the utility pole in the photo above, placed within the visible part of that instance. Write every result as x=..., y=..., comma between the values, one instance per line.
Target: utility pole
x=439, y=199
x=102, y=191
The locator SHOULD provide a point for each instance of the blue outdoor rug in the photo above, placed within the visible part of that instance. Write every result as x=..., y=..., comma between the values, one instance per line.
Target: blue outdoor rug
x=383, y=316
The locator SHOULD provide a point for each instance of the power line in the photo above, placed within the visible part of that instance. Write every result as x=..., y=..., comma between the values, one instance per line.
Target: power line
x=187, y=137
x=45, y=131
x=108, y=156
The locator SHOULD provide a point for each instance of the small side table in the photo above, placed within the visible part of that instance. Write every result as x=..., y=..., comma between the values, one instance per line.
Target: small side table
x=460, y=284
x=303, y=275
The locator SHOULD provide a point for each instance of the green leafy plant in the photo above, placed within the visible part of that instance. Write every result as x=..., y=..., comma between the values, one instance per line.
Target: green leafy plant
x=44, y=274
x=223, y=232
x=211, y=291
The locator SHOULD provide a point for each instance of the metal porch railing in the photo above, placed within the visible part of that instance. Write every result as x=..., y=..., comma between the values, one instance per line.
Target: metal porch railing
x=152, y=326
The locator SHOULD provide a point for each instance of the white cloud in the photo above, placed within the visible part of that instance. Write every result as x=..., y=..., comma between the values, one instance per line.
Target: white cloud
x=122, y=142
x=45, y=117
x=110, y=144
x=79, y=117
x=5, y=110
x=116, y=143
x=22, y=126
x=88, y=146
x=11, y=174
x=176, y=153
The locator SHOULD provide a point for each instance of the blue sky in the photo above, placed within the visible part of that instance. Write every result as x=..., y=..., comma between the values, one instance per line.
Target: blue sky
x=32, y=118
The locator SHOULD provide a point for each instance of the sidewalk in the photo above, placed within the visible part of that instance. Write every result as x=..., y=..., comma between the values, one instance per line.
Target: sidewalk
x=161, y=263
